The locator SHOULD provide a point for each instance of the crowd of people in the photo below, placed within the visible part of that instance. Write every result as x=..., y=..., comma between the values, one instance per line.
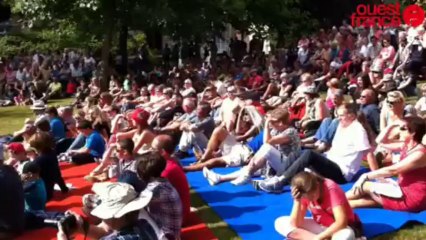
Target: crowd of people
x=265, y=114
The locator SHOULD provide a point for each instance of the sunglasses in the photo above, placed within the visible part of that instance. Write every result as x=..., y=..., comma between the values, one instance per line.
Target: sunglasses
x=403, y=128
x=391, y=103
x=362, y=97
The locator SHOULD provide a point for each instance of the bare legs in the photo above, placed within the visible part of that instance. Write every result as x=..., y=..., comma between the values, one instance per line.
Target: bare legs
x=218, y=136
x=365, y=199
x=211, y=163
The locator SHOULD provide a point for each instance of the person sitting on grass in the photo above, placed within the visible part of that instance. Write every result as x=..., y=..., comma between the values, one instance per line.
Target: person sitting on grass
x=94, y=146
x=165, y=207
x=280, y=149
x=34, y=189
x=12, y=217
x=409, y=193
x=332, y=217
x=119, y=210
x=142, y=135
x=197, y=133
x=126, y=161
x=17, y=156
x=233, y=149
x=46, y=158
x=340, y=163
x=174, y=173
x=57, y=126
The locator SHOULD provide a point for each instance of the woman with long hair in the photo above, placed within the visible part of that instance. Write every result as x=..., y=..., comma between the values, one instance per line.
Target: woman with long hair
x=332, y=216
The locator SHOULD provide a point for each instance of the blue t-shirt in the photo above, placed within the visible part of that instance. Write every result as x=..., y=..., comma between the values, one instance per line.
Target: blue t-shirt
x=96, y=144
x=35, y=195
x=57, y=128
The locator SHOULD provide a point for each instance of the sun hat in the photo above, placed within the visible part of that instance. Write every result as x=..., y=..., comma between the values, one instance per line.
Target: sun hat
x=38, y=105
x=118, y=199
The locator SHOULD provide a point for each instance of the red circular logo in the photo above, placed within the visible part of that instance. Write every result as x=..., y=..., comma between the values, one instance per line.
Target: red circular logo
x=413, y=15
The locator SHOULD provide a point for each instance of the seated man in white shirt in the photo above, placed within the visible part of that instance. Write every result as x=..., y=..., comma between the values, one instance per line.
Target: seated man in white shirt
x=340, y=164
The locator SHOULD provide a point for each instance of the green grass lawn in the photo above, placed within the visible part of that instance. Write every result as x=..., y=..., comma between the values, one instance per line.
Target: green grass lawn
x=12, y=118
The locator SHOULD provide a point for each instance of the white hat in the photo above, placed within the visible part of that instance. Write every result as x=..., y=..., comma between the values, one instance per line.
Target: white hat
x=118, y=199
x=187, y=80
x=38, y=105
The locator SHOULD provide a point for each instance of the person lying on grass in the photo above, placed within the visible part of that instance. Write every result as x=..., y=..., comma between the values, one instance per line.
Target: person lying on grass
x=332, y=217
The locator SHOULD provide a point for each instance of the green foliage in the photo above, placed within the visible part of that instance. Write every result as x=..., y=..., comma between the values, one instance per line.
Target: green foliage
x=43, y=40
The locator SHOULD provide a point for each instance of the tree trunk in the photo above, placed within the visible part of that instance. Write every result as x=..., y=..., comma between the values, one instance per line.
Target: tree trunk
x=124, y=34
x=109, y=21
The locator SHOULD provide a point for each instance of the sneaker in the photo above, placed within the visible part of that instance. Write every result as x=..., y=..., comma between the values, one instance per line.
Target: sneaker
x=241, y=180
x=271, y=185
x=212, y=177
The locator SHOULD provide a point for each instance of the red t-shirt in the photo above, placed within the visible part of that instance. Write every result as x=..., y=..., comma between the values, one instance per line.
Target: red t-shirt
x=255, y=82
x=71, y=88
x=174, y=173
x=332, y=196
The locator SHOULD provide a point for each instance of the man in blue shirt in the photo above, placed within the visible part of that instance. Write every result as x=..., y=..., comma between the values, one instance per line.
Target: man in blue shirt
x=94, y=147
x=57, y=126
x=370, y=109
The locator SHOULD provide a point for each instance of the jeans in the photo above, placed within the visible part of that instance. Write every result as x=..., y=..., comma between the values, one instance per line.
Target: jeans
x=78, y=142
x=327, y=129
x=318, y=163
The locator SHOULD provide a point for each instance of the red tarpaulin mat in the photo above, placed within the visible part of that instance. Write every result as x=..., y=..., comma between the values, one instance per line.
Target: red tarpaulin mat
x=72, y=201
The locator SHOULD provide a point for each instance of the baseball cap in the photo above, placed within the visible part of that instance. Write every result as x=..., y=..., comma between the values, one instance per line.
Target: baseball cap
x=118, y=199
x=16, y=148
x=140, y=116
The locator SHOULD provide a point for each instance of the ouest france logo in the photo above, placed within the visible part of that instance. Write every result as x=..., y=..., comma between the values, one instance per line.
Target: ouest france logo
x=387, y=15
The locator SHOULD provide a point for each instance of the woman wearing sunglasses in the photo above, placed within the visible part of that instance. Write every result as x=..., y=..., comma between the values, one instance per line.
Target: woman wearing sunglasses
x=409, y=192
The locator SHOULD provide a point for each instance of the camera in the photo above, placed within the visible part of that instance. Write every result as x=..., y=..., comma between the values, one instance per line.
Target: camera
x=68, y=224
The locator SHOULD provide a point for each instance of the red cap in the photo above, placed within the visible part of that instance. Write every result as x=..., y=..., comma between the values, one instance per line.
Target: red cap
x=16, y=148
x=140, y=116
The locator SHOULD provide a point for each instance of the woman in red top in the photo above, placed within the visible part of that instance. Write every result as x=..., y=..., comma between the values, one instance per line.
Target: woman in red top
x=332, y=217
x=409, y=194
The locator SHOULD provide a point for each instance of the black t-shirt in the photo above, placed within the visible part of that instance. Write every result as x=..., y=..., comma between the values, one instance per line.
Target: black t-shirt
x=50, y=172
x=11, y=201
x=101, y=127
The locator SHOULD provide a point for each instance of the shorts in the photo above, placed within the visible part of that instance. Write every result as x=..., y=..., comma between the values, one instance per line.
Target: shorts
x=239, y=155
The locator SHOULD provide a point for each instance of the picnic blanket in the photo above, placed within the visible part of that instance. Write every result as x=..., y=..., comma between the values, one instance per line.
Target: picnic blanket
x=252, y=214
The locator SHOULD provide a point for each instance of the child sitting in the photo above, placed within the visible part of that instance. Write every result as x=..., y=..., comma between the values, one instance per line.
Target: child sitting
x=34, y=189
x=126, y=161
x=17, y=156
x=35, y=197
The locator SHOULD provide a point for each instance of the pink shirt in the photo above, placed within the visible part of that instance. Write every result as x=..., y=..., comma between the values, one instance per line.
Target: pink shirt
x=332, y=196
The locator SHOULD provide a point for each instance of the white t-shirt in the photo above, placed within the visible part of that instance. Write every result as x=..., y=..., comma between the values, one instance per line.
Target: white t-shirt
x=347, y=148
x=421, y=104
